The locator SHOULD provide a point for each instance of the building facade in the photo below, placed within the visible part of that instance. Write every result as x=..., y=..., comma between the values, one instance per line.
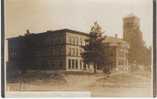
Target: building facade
x=116, y=52
x=56, y=50
x=60, y=50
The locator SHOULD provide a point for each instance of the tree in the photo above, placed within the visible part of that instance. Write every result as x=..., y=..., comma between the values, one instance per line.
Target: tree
x=94, y=52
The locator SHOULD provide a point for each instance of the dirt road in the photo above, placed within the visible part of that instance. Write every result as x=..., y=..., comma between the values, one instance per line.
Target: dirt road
x=122, y=84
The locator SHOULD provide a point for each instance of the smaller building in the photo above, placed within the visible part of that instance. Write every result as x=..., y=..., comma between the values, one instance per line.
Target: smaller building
x=116, y=51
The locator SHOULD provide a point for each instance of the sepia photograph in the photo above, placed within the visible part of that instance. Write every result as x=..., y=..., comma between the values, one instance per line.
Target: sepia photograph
x=94, y=48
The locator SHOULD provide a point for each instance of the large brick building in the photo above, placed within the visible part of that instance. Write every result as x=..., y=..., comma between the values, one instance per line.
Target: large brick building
x=61, y=50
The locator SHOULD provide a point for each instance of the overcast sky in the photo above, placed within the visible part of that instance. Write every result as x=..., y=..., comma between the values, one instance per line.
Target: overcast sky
x=43, y=15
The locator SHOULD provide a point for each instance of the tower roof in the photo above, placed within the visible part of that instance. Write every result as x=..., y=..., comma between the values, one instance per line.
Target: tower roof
x=131, y=15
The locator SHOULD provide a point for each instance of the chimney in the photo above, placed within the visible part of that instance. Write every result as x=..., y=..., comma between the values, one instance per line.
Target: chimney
x=27, y=32
x=116, y=35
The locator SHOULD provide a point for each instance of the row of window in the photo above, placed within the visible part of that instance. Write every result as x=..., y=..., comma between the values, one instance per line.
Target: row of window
x=76, y=40
x=76, y=64
x=49, y=63
x=70, y=40
x=50, y=52
x=74, y=51
x=122, y=54
x=54, y=41
x=122, y=62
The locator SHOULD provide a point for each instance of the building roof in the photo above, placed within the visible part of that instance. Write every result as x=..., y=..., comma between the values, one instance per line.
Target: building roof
x=132, y=16
x=108, y=39
x=53, y=31
x=69, y=30
x=113, y=41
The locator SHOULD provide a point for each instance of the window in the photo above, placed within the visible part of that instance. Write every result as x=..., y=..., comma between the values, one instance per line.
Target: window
x=54, y=41
x=53, y=52
x=111, y=53
x=69, y=63
x=73, y=51
x=81, y=41
x=77, y=41
x=69, y=40
x=60, y=64
x=77, y=52
x=69, y=52
x=73, y=40
x=59, y=41
x=88, y=66
x=13, y=53
x=60, y=51
x=76, y=64
x=80, y=64
x=86, y=43
x=120, y=62
x=73, y=63
x=81, y=50
x=84, y=66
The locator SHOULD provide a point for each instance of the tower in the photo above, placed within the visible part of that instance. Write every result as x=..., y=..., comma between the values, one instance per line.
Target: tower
x=133, y=35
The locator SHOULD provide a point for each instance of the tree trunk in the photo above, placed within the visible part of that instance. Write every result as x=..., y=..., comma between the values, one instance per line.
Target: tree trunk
x=95, y=68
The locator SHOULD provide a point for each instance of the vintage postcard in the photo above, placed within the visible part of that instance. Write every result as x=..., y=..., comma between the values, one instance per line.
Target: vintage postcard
x=78, y=48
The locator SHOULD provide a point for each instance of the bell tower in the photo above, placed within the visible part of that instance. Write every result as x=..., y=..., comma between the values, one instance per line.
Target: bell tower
x=133, y=35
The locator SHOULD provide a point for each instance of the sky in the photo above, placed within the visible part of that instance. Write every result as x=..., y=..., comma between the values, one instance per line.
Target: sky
x=42, y=15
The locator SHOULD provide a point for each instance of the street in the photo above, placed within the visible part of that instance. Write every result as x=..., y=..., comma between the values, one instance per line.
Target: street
x=120, y=84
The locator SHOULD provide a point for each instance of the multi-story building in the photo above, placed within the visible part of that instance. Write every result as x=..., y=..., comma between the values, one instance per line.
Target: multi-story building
x=60, y=50
x=57, y=50
x=138, y=52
